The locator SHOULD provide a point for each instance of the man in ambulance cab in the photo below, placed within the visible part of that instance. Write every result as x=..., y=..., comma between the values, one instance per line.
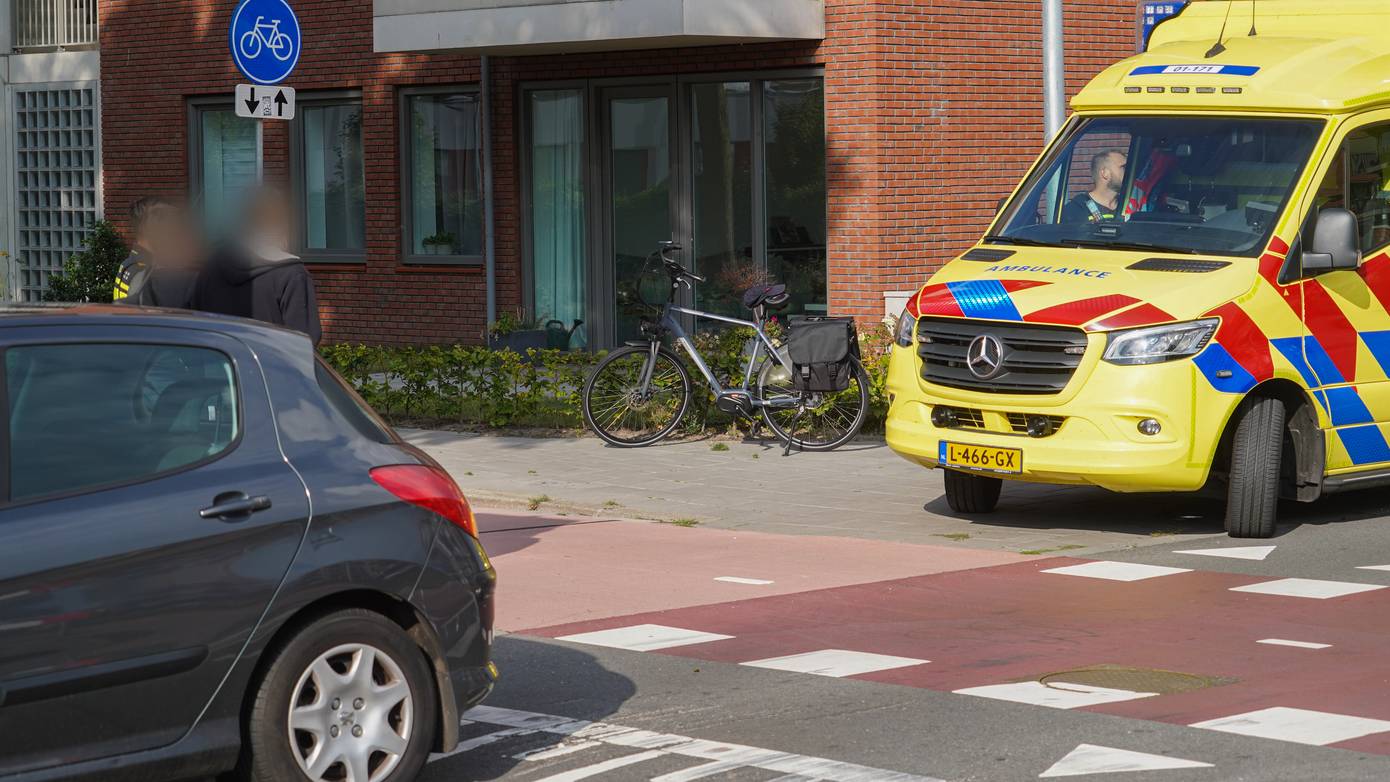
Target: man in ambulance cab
x=1102, y=203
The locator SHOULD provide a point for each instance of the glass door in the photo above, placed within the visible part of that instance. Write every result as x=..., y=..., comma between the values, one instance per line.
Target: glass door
x=637, y=182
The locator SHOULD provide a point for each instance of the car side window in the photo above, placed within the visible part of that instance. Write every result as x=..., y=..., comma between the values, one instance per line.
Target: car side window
x=83, y=416
x=1359, y=180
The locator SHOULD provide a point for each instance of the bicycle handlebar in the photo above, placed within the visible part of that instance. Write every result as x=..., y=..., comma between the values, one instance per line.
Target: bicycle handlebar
x=673, y=267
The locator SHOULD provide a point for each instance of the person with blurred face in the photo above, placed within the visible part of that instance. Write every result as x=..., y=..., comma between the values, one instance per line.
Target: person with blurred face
x=256, y=276
x=148, y=218
x=1102, y=203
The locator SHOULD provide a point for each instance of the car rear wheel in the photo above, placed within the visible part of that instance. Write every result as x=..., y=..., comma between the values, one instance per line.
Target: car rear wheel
x=967, y=493
x=1257, y=447
x=349, y=699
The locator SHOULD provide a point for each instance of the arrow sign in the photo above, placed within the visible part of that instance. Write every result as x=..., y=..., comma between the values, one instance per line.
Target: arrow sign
x=272, y=103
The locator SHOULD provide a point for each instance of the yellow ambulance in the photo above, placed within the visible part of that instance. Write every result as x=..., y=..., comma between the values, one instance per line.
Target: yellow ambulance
x=1192, y=284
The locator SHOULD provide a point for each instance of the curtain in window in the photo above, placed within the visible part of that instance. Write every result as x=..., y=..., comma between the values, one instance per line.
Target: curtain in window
x=229, y=164
x=334, y=179
x=557, y=206
x=445, y=175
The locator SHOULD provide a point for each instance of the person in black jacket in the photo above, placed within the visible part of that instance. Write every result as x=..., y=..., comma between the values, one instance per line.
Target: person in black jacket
x=255, y=276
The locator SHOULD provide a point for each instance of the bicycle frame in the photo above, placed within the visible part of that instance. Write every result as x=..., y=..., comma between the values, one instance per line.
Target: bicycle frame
x=670, y=324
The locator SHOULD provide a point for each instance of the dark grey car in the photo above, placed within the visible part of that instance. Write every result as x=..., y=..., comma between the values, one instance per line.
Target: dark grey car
x=214, y=557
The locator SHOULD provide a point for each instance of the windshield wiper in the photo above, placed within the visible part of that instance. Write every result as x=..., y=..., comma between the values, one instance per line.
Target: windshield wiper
x=1018, y=240
x=1136, y=246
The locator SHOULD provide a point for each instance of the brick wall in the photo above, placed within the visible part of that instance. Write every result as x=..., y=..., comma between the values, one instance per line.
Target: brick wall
x=933, y=109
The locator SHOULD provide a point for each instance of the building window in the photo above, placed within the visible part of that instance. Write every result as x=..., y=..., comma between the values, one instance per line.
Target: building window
x=55, y=172
x=794, y=189
x=225, y=160
x=555, y=182
x=330, y=179
x=442, y=177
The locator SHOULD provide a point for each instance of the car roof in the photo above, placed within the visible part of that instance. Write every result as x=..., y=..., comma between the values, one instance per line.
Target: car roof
x=55, y=314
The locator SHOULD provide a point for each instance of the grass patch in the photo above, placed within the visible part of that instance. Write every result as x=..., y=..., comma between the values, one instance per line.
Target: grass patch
x=612, y=504
x=532, y=472
x=957, y=536
x=1162, y=533
x=469, y=474
x=683, y=522
x=1036, y=551
x=719, y=447
x=755, y=456
x=535, y=503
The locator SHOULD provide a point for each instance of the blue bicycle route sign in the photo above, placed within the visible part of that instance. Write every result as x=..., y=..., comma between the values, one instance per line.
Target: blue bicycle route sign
x=265, y=40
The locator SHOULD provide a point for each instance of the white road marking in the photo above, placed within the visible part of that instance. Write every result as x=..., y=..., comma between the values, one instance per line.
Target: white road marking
x=603, y=767
x=786, y=763
x=644, y=638
x=1299, y=644
x=558, y=749
x=1306, y=587
x=1093, y=759
x=836, y=662
x=700, y=772
x=740, y=580
x=1232, y=552
x=1302, y=726
x=481, y=741
x=1373, y=567
x=1117, y=571
x=1054, y=696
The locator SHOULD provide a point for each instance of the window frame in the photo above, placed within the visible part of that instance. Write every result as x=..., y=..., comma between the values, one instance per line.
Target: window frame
x=405, y=180
x=298, y=190
x=196, y=108
x=7, y=501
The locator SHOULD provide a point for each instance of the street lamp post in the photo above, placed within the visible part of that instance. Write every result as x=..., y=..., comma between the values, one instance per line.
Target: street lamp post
x=1054, y=72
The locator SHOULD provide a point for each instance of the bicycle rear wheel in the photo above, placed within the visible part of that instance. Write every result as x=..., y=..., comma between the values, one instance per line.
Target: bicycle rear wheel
x=618, y=410
x=827, y=421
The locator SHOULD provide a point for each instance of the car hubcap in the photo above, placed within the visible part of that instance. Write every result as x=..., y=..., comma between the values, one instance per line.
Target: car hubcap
x=350, y=717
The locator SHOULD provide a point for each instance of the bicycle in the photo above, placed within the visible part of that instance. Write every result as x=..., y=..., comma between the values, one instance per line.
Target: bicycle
x=276, y=40
x=639, y=393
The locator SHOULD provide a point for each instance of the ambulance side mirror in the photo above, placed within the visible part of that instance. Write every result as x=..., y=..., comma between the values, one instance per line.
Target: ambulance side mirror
x=1336, y=243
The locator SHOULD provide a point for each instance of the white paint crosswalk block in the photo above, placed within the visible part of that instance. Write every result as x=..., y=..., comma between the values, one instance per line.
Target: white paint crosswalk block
x=1373, y=567
x=644, y=638
x=1117, y=571
x=1257, y=553
x=836, y=662
x=655, y=744
x=1307, y=587
x=1298, y=644
x=1054, y=696
x=741, y=580
x=603, y=767
x=1094, y=759
x=1302, y=726
x=556, y=750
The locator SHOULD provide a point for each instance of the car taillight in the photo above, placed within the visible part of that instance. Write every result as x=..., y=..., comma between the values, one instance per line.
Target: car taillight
x=430, y=488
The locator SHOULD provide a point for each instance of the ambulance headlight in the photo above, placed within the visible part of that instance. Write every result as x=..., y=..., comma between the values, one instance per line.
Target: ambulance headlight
x=907, y=326
x=1156, y=344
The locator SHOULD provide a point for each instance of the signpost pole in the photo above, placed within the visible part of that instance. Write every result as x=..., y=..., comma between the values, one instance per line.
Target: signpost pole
x=489, y=241
x=1054, y=70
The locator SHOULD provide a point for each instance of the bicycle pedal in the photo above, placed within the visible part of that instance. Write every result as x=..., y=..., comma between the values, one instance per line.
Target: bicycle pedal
x=735, y=402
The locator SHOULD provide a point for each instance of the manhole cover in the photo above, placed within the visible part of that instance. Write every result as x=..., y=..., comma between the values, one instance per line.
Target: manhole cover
x=1116, y=677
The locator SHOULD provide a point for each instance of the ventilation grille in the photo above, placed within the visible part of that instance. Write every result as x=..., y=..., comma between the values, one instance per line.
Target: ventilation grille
x=1177, y=265
x=982, y=254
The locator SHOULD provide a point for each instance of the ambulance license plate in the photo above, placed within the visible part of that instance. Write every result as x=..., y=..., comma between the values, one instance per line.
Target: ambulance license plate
x=979, y=457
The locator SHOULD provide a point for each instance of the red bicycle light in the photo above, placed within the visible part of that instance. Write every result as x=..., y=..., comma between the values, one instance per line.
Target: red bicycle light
x=430, y=488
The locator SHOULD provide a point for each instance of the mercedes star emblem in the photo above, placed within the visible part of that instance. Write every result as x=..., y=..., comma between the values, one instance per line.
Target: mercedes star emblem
x=985, y=356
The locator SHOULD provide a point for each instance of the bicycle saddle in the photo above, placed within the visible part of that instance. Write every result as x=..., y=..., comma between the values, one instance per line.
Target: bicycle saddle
x=773, y=295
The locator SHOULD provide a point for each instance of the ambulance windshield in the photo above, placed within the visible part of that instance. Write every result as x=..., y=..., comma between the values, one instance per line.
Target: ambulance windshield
x=1201, y=185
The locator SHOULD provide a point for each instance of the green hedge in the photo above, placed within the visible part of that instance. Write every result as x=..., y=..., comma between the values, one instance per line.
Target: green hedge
x=475, y=386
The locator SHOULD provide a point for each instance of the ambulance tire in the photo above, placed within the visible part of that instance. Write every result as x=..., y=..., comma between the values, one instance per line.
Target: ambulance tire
x=967, y=493
x=1252, y=496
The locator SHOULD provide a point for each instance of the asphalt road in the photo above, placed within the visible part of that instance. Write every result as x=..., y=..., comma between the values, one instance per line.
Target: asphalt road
x=642, y=651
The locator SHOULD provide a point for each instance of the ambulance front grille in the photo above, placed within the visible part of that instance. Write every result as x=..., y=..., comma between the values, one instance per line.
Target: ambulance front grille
x=1036, y=359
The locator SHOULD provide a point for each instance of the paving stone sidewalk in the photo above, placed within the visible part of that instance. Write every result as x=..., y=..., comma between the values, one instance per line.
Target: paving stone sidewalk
x=863, y=490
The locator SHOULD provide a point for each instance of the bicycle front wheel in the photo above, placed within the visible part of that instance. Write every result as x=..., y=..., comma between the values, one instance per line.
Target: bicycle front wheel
x=825, y=422
x=619, y=410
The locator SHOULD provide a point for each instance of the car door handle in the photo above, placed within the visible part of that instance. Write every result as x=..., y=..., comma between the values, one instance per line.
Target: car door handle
x=234, y=504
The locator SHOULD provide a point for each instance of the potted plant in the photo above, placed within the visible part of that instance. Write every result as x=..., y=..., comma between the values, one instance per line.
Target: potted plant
x=514, y=331
x=441, y=243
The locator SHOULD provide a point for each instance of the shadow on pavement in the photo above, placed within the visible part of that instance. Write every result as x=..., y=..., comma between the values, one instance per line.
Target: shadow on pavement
x=1042, y=507
x=543, y=677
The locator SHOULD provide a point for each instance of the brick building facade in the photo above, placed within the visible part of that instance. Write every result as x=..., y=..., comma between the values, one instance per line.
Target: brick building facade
x=931, y=111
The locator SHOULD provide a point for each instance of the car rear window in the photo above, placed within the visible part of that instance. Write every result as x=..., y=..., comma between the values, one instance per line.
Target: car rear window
x=83, y=416
x=350, y=406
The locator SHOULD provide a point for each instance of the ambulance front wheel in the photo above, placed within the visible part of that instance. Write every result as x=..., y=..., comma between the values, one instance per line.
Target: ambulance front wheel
x=1257, y=448
x=968, y=493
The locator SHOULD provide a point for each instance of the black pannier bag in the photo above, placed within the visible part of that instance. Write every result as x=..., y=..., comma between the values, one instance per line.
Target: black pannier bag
x=822, y=351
